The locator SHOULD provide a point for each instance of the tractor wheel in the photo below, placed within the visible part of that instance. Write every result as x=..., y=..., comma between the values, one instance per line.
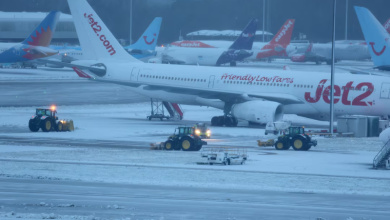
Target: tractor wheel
x=32, y=126
x=46, y=125
x=299, y=143
x=169, y=145
x=280, y=145
x=186, y=144
x=60, y=126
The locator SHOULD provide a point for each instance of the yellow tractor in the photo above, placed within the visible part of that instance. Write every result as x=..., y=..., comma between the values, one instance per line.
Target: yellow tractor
x=46, y=120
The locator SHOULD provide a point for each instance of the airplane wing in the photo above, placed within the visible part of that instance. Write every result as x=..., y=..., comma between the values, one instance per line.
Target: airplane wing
x=366, y=71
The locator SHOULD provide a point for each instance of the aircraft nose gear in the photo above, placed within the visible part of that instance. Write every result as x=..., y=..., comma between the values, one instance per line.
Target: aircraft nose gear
x=228, y=121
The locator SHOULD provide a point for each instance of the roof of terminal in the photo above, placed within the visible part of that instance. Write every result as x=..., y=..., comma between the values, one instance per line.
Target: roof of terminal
x=31, y=16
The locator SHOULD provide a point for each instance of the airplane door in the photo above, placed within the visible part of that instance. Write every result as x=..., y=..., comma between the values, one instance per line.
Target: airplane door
x=134, y=74
x=385, y=91
x=211, y=81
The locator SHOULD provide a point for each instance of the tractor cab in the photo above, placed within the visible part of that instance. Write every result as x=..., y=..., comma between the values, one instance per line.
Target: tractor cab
x=296, y=130
x=46, y=112
x=181, y=131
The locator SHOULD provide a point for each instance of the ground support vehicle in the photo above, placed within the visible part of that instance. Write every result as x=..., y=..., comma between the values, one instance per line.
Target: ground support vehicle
x=296, y=138
x=270, y=142
x=202, y=130
x=46, y=120
x=184, y=139
x=277, y=127
x=225, y=155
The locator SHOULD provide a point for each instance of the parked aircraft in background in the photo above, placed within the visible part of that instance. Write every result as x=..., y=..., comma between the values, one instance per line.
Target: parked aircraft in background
x=377, y=38
x=277, y=47
x=143, y=49
x=35, y=46
x=237, y=51
x=254, y=95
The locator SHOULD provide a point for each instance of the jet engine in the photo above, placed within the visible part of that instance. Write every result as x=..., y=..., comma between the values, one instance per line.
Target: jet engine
x=298, y=58
x=258, y=111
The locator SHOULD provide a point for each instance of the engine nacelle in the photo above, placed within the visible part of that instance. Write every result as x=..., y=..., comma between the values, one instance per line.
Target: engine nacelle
x=258, y=111
x=298, y=58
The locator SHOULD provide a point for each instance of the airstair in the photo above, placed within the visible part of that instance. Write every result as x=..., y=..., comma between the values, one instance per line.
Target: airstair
x=382, y=159
x=158, y=110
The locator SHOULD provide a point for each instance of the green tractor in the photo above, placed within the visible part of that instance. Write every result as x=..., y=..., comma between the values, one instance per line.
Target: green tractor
x=184, y=139
x=296, y=138
x=46, y=120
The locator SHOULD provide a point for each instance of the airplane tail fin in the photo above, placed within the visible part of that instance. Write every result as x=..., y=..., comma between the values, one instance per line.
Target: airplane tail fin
x=283, y=37
x=148, y=39
x=377, y=38
x=386, y=25
x=95, y=38
x=310, y=47
x=43, y=34
x=246, y=38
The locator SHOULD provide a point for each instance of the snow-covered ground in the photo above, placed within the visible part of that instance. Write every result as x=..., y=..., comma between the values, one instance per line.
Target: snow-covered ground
x=339, y=165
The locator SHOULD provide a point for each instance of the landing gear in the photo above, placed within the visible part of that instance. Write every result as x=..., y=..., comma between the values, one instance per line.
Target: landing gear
x=233, y=63
x=228, y=121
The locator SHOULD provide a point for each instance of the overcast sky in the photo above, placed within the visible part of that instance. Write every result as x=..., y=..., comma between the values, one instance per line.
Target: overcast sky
x=313, y=17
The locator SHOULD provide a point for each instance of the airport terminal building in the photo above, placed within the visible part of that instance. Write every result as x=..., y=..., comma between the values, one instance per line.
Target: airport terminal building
x=16, y=26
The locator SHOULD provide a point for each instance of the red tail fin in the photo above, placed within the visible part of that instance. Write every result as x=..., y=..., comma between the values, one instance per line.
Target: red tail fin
x=310, y=47
x=81, y=73
x=386, y=25
x=283, y=37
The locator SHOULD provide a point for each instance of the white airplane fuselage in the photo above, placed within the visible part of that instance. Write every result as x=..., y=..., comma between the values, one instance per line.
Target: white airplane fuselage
x=354, y=94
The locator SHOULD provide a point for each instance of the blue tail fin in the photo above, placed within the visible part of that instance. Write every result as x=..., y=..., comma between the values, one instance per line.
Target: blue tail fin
x=245, y=40
x=43, y=34
x=148, y=39
x=377, y=38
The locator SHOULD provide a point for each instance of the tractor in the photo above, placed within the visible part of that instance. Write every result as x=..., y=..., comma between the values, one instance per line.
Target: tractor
x=184, y=138
x=296, y=138
x=46, y=120
x=202, y=130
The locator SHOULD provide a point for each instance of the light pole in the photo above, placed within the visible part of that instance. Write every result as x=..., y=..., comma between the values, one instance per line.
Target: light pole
x=131, y=21
x=263, y=19
x=332, y=71
x=346, y=20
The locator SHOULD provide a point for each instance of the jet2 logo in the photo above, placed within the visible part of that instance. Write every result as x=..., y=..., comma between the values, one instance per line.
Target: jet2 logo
x=369, y=89
x=248, y=35
x=97, y=28
x=149, y=43
x=375, y=52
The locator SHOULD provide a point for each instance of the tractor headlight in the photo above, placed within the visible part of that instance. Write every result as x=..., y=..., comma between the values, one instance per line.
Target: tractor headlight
x=197, y=131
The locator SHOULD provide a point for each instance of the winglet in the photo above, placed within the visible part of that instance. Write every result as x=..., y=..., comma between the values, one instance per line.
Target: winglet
x=43, y=33
x=81, y=73
x=148, y=39
x=246, y=38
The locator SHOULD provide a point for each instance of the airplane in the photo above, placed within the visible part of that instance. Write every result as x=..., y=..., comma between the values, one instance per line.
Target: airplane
x=35, y=46
x=253, y=95
x=377, y=37
x=143, y=49
x=278, y=46
x=237, y=51
x=319, y=53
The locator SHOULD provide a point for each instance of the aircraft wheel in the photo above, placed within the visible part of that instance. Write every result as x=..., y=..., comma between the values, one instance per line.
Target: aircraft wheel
x=215, y=121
